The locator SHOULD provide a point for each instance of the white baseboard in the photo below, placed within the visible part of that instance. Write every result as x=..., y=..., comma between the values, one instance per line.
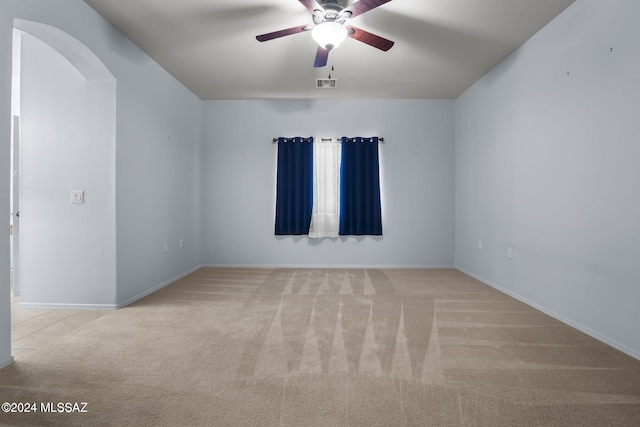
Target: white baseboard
x=64, y=306
x=426, y=267
x=607, y=340
x=107, y=306
x=156, y=288
x=5, y=363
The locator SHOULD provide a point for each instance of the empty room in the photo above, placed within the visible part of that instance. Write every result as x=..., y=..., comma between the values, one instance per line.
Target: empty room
x=320, y=213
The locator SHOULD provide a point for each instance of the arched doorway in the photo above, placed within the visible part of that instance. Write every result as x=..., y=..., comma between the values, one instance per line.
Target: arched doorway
x=67, y=133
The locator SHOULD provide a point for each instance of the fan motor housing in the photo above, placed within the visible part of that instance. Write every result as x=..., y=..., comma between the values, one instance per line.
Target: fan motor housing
x=332, y=12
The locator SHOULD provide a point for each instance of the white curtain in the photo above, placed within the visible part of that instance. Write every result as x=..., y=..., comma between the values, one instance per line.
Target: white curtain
x=325, y=219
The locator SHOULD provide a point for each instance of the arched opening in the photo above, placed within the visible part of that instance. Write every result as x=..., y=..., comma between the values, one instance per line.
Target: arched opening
x=65, y=135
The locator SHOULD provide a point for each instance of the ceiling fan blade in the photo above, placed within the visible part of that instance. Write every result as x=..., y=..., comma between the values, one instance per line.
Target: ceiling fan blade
x=312, y=5
x=362, y=6
x=281, y=33
x=369, y=38
x=321, y=57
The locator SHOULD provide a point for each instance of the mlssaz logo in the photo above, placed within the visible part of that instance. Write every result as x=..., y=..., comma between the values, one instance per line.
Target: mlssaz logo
x=61, y=407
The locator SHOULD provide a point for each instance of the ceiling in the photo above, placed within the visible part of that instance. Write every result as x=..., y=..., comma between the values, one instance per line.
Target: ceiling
x=441, y=46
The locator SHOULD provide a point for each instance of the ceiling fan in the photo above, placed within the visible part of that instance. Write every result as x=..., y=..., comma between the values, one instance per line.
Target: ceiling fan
x=330, y=30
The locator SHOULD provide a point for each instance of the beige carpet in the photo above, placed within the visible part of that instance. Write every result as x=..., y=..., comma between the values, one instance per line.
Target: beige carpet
x=303, y=347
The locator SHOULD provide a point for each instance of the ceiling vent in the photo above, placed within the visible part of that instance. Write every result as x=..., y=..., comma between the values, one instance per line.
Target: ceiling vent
x=326, y=83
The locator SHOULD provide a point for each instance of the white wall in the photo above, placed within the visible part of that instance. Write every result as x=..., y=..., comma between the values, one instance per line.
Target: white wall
x=6, y=30
x=158, y=144
x=548, y=162
x=416, y=179
x=67, y=251
x=158, y=173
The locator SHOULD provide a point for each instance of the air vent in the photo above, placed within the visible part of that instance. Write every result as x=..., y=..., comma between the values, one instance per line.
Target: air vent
x=326, y=83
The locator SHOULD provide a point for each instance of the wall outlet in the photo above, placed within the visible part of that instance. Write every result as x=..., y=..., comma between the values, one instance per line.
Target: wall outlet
x=509, y=252
x=181, y=243
x=166, y=247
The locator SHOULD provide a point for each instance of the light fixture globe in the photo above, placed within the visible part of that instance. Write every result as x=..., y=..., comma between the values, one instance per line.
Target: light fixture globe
x=329, y=34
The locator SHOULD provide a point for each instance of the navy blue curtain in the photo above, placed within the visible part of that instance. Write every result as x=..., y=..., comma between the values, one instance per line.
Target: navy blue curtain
x=360, y=211
x=294, y=189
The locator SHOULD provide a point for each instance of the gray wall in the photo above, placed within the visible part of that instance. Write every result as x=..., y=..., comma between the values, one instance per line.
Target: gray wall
x=416, y=180
x=547, y=162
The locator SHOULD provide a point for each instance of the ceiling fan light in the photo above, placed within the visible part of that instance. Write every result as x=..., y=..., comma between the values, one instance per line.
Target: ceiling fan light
x=329, y=34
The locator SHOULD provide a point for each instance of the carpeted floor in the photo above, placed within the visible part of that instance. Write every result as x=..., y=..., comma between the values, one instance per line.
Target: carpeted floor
x=314, y=347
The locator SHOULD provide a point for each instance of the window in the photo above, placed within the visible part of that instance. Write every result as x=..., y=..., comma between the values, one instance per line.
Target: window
x=326, y=188
x=325, y=219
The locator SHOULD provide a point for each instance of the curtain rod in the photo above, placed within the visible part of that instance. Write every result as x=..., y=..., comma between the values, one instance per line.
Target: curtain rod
x=327, y=139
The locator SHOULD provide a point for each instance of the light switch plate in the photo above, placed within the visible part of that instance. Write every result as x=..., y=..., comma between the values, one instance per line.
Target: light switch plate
x=77, y=196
